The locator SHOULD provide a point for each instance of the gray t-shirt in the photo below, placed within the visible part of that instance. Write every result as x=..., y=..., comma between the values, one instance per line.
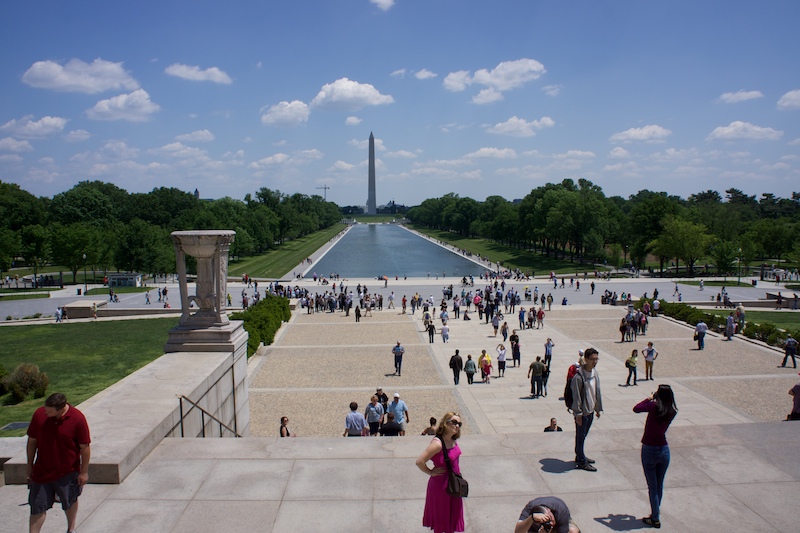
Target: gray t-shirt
x=556, y=505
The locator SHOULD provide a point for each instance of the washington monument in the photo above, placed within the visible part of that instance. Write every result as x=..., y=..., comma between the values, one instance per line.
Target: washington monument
x=372, y=207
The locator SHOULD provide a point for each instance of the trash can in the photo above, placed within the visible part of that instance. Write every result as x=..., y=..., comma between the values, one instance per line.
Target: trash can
x=754, y=282
x=79, y=292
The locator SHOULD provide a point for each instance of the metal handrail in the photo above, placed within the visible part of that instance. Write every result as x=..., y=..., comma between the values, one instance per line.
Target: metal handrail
x=203, y=421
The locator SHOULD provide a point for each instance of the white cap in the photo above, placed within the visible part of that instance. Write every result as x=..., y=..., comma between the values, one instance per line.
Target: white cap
x=396, y=394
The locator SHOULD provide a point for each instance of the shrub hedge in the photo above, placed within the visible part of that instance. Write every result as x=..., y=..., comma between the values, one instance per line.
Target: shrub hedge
x=768, y=333
x=26, y=378
x=262, y=320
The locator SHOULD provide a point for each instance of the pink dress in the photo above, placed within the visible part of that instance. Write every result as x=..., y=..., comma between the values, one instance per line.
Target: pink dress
x=443, y=513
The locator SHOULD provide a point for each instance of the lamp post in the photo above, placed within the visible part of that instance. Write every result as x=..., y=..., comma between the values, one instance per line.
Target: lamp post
x=84, y=274
x=739, y=268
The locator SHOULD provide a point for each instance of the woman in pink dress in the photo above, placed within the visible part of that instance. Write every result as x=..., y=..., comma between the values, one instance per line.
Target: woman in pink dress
x=443, y=513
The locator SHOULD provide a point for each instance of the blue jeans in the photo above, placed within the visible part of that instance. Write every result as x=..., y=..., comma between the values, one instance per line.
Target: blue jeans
x=701, y=340
x=580, y=437
x=655, y=461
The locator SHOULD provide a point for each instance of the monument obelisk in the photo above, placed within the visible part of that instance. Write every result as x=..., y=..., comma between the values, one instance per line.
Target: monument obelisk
x=372, y=206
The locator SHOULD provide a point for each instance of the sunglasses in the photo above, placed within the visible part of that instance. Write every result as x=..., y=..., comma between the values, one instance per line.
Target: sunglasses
x=455, y=422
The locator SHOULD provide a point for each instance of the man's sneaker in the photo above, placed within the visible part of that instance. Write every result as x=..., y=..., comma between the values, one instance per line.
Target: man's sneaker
x=652, y=523
x=588, y=467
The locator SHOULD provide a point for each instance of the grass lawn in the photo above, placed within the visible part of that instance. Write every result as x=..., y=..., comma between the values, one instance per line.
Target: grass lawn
x=23, y=296
x=277, y=263
x=786, y=320
x=525, y=260
x=119, y=290
x=715, y=283
x=81, y=358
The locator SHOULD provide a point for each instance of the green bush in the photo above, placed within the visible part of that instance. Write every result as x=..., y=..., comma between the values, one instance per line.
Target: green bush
x=3, y=374
x=26, y=378
x=263, y=320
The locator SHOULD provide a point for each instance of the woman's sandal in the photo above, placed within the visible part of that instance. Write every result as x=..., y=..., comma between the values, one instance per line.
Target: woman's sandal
x=652, y=523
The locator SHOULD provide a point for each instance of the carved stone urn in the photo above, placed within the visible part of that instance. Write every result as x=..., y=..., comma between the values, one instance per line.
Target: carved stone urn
x=210, y=249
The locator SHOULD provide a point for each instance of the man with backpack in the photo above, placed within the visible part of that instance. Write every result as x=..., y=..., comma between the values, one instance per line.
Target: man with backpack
x=586, y=402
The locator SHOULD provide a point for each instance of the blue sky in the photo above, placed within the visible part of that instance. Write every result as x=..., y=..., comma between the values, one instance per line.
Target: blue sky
x=473, y=97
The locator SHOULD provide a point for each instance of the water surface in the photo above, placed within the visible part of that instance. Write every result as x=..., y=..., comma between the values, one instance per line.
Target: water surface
x=373, y=250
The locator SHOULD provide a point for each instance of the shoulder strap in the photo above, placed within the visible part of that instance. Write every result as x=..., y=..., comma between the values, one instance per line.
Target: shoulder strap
x=445, y=453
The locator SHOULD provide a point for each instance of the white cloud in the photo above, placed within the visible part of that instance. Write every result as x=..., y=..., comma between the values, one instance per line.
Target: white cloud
x=350, y=95
x=399, y=73
x=80, y=77
x=12, y=145
x=405, y=154
x=739, y=96
x=276, y=159
x=494, y=153
x=352, y=121
x=286, y=114
x=795, y=142
x=519, y=127
x=196, y=136
x=135, y=107
x=575, y=154
x=487, y=96
x=193, y=73
x=10, y=158
x=28, y=128
x=551, y=90
x=309, y=154
x=424, y=74
x=385, y=5
x=744, y=130
x=505, y=76
x=457, y=81
x=341, y=166
x=790, y=100
x=650, y=133
x=77, y=136
x=619, y=153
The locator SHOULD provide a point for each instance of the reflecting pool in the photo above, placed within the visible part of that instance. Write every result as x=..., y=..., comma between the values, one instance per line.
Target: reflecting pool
x=373, y=250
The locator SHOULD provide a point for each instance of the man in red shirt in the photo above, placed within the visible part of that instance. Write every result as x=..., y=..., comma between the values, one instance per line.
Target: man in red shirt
x=58, y=460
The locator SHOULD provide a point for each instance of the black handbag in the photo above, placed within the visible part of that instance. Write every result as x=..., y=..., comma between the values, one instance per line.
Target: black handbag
x=456, y=484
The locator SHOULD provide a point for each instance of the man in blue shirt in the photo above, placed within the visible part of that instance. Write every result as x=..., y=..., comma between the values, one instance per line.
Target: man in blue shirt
x=400, y=411
x=355, y=425
x=398, y=352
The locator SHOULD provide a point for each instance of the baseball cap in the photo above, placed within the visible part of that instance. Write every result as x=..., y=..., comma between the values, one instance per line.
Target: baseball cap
x=396, y=394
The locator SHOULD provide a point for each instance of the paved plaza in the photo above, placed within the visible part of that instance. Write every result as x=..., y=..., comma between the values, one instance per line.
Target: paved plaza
x=733, y=461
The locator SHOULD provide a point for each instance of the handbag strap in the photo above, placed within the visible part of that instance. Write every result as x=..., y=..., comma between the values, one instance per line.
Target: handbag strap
x=446, y=454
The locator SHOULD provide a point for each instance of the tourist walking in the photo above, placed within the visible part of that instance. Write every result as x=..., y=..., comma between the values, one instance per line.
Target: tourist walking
x=398, y=352
x=650, y=355
x=431, y=331
x=501, y=360
x=355, y=425
x=661, y=410
x=631, y=363
x=444, y=513
x=374, y=415
x=515, y=353
x=399, y=409
x=445, y=332
x=58, y=460
x=700, y=334
x=587, y=401
x=789, y=350
x=536, y=375
x=548, y=351
x=470, y=369
x=794, y=392
x=457, y=365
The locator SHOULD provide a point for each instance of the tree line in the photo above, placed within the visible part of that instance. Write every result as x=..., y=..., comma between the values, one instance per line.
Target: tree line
x=99, y=226
x=578, y=222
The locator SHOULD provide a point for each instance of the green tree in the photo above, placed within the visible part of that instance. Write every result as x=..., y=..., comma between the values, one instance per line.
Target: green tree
x=71, y=245
x=9, y=248
x=20, y=208
x=725, y=255
x=144, y=248
x=35, y=247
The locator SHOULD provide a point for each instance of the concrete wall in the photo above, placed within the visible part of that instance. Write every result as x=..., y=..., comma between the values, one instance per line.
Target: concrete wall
x=130, y=418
